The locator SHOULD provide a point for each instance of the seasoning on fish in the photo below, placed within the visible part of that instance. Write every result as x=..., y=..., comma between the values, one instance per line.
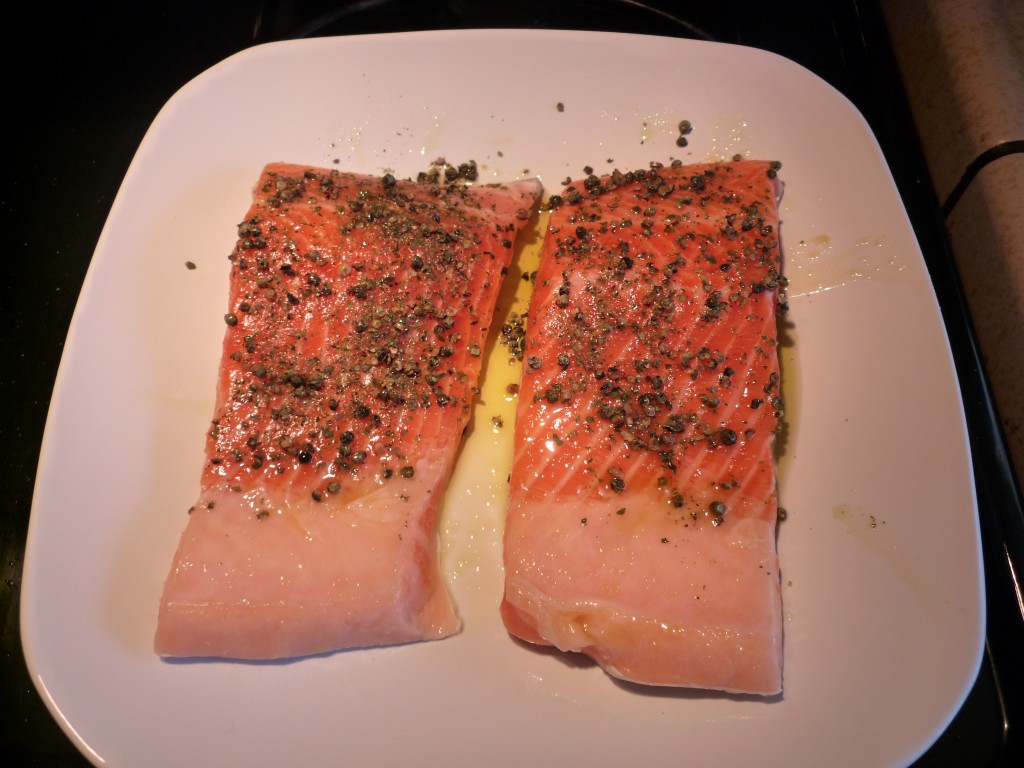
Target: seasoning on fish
x=358, y=308
x=641, y=526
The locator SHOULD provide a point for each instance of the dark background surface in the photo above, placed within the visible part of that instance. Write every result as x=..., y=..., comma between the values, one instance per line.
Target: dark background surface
x=82, y=86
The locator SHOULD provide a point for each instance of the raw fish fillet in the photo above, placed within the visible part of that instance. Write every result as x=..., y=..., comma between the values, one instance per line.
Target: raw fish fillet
x=641, y=527
x=359, y=310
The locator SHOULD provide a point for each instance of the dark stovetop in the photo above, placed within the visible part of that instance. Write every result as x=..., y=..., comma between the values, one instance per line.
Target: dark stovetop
x=81, y=98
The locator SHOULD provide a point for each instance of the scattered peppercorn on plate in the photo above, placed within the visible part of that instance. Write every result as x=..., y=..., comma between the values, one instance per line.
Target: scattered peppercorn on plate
x=882, y=605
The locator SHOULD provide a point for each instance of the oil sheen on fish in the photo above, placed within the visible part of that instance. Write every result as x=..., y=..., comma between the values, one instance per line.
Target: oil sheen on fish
x=358, y=314
x=641, y=527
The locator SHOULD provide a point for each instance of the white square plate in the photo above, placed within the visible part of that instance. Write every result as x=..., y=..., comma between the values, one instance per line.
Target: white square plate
x=882, y=588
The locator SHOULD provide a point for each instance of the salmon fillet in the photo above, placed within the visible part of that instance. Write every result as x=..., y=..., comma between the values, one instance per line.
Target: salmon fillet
x=641, y=527
x=359, y=310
